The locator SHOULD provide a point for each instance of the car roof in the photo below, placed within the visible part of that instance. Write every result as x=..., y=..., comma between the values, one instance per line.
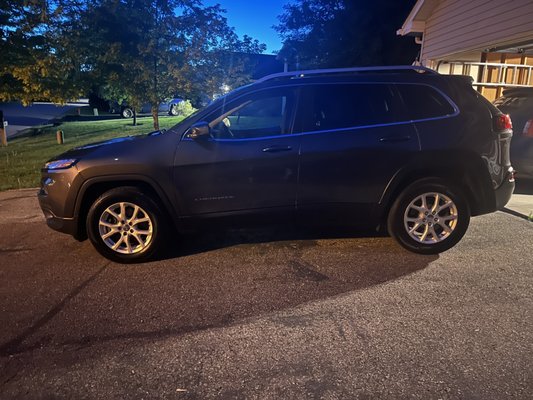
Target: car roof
x=518, y=92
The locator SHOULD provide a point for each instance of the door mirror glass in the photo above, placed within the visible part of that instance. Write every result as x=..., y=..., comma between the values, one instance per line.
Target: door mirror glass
x=199, y=130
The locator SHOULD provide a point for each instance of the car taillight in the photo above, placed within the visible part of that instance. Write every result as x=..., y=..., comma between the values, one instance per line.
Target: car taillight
x=528, y=129
x=502, y=122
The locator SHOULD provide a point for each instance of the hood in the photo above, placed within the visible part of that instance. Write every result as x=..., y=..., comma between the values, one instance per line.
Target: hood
x=105, y=143
x=80, y=151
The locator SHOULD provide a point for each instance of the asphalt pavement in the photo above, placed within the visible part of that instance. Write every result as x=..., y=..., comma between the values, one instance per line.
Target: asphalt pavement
x=265, y=314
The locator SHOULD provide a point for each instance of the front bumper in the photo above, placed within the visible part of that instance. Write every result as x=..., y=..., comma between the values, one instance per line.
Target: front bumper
x=57, y=197
x=64, y=225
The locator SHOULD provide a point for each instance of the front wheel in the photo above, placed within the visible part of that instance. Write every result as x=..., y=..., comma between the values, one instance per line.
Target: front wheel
x=125, y=225
x=127, y=113
x=430, y=216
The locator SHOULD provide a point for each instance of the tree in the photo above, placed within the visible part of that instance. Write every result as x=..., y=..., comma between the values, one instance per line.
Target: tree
x=226, y=67
x=33, y=64
x=150, y=50
x=136, y=50
x=345, y=33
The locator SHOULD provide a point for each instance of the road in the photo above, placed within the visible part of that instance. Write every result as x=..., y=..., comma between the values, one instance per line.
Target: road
x=265, y=314
x=39, y=113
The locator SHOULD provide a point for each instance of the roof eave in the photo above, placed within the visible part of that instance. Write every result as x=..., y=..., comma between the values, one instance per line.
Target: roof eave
x=414, y=28
x=411, y=26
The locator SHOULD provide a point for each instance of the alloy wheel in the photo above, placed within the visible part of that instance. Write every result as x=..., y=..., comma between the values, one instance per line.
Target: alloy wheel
x=431, y=218
x=126, y=228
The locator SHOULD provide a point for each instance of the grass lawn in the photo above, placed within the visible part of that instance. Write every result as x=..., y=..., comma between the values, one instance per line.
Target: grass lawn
x=22, y=159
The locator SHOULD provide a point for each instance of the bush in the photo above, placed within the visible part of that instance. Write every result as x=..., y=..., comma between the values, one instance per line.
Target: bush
x=185, y=108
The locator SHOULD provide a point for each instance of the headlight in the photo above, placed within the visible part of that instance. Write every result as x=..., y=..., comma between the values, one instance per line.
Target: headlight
x=60, y=164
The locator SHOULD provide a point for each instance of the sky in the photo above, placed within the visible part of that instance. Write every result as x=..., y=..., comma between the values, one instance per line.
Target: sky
x=254, y=18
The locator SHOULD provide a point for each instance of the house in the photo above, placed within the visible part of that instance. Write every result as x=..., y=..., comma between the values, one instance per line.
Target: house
x=490, y=40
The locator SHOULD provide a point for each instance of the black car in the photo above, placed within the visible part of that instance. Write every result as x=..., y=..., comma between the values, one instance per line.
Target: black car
x=398, y=147
x=518, y=103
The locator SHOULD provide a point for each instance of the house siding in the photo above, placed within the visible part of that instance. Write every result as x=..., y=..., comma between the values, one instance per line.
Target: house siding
x=466, y=25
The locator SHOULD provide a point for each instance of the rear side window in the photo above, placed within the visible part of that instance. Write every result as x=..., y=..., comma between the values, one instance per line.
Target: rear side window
x=339, y=106
x=424, y=102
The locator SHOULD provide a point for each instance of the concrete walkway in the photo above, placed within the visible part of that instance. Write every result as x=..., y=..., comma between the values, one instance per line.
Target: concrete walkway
x=521, y=204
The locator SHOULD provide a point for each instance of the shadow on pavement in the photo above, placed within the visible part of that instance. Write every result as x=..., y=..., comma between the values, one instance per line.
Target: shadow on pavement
x=206, y=281
x=218, y=238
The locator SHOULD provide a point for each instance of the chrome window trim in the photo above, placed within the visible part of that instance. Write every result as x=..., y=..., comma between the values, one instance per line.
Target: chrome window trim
x=351, y=128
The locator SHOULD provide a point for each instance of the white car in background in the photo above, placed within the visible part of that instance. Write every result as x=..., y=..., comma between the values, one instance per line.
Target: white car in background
x=167, y=107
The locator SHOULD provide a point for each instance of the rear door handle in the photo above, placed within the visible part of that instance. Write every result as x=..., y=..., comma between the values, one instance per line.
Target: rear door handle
x=276, y=149
x=394, y=139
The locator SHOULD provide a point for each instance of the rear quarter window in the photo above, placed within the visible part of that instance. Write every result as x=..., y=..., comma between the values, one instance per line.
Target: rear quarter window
x=424, y=102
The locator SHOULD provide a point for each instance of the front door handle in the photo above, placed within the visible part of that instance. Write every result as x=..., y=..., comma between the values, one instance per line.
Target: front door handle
x=390, y=139
x=276, y=149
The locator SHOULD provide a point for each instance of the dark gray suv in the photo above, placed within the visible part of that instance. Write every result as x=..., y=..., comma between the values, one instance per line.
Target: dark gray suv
x=398, y=147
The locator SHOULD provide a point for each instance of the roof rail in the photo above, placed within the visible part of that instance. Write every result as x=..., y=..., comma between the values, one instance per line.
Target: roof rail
x=332, y=71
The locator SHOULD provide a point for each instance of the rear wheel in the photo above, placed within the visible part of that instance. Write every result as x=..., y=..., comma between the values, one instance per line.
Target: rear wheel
x=173, y=110
x=125, y=225
x=429, y=217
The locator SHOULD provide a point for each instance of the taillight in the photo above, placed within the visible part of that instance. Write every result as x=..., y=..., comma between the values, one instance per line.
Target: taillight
x=502, y=122
x=528, y=129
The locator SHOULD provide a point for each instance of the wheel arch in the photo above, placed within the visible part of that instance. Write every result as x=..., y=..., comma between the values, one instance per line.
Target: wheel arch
x=94, y=188
x=466, y=170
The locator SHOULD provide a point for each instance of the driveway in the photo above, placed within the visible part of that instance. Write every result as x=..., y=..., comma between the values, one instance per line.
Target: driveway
x=39, y=113
x=265, y=314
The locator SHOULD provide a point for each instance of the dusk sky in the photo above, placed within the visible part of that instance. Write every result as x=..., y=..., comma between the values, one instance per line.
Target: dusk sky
x=254, y=18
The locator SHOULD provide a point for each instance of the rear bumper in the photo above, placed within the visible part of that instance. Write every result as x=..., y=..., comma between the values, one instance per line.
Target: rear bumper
x=504, y=192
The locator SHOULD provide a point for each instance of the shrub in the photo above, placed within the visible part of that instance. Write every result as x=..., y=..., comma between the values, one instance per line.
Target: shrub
x=185, y=108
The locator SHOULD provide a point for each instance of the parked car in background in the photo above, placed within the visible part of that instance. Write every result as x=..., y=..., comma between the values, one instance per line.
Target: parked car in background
x=398, y=147
x=518, y=103
x=167, y=107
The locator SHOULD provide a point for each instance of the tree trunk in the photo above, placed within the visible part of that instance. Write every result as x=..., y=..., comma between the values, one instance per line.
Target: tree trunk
x=155, y=116
x=134, y=117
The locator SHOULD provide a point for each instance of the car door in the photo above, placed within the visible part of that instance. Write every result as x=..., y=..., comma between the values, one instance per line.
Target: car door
x=249, y=162
x=357, y=137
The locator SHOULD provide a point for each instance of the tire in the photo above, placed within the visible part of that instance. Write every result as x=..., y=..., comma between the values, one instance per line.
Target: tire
x=135, y=238
x=414, y=226
x=173, y=110
x=127, y=113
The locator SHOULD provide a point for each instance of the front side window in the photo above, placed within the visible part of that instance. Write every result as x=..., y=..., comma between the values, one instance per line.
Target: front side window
x=262, y=114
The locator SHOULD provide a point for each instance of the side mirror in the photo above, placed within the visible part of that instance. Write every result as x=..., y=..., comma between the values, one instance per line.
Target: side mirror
x=199, y=130
x=157, y=133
